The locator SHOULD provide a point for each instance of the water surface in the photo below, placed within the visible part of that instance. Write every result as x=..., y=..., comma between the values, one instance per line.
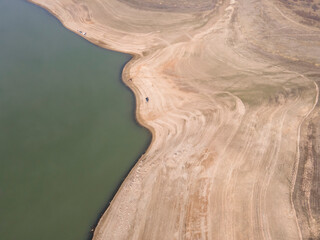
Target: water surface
x=67, y=133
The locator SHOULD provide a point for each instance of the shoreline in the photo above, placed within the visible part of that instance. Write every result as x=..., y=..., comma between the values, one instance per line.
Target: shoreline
x=124, y=80
x=134, y=164
x=224, y=111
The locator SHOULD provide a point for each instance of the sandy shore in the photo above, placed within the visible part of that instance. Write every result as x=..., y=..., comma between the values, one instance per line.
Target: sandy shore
x=233, y=109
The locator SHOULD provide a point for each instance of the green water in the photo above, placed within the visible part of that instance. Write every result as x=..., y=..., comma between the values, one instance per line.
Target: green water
x=67, y=129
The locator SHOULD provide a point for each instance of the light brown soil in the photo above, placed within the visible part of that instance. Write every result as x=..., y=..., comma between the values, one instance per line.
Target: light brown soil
x=233, y=111
x=172, y=5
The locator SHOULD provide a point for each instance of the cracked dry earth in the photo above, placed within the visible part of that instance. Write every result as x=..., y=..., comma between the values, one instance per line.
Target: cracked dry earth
x=233, y=108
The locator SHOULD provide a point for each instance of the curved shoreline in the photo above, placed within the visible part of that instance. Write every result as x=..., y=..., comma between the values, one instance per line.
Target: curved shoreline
x=125, y=80
x=124, y=72
x=224, y=124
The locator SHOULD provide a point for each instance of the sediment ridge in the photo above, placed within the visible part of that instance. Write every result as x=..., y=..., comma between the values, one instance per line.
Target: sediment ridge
x=230, y=94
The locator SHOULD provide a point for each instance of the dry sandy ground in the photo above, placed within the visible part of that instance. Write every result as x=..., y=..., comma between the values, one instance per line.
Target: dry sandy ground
x=233, y=108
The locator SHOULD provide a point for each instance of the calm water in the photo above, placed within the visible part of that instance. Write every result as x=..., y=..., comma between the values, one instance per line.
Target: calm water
x=67, y=134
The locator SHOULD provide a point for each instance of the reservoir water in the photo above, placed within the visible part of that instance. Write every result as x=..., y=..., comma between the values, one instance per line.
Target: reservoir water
x=67, y=129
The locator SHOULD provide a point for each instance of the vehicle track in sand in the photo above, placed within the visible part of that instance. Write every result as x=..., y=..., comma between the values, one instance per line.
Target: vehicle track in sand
x=230, y=90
